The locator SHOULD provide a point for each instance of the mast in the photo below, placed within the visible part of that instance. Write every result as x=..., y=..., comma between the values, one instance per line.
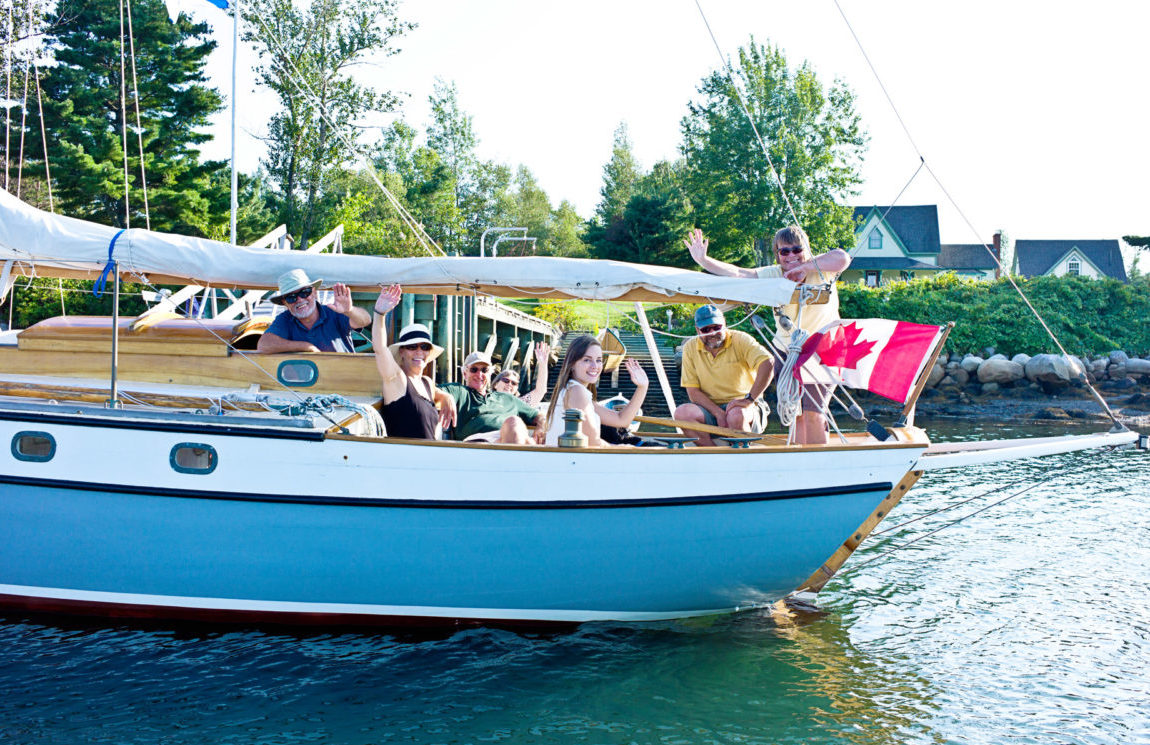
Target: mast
x=235, y=54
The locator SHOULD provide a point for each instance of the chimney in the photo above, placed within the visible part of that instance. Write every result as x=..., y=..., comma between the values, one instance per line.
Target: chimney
x=998, y=254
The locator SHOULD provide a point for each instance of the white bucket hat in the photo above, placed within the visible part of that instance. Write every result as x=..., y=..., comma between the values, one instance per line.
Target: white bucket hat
x=412, y=334
x=292, y=281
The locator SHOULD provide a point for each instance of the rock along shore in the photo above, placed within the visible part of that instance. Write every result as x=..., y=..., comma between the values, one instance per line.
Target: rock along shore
x=1045, y=387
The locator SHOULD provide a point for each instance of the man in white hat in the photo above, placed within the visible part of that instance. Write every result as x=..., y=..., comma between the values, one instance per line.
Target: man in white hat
x=484, y=414
x=308, y=326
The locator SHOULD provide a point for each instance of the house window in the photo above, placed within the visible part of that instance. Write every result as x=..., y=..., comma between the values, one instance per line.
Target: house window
x=1074, y=267
x=872, y=276
x=875, y=239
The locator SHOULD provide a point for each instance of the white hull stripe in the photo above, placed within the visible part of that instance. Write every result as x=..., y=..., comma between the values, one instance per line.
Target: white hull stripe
x=272, y=607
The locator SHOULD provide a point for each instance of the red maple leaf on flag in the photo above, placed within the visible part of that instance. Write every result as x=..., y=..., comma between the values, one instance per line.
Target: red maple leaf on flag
x=841, y=348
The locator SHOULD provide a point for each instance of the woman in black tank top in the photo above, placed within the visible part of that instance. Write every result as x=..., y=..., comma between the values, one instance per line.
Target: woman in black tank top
x=409, y=396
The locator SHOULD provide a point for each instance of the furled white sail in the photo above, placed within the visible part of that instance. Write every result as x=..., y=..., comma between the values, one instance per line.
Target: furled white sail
x=53, y=245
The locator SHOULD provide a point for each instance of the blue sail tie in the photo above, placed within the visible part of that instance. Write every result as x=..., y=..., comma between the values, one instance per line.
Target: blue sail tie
x=98, y=287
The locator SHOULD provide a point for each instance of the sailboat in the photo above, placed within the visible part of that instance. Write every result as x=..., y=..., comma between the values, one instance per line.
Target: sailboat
x=201, y=485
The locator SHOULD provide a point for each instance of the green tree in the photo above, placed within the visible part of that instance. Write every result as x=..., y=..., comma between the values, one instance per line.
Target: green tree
x=620, y=177
x=815, y=141
x=654, y=221
x=452, y=137
x=84, y=118
x=308, y=55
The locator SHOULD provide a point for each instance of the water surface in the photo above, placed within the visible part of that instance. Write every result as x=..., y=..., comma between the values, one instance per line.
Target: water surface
x=1026, y=622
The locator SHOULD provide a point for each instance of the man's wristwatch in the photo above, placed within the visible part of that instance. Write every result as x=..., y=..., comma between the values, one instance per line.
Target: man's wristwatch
x=749, y=397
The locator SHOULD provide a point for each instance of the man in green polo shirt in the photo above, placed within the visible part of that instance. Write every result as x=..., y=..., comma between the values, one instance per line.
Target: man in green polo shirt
x=486, y=415
x=725, y=373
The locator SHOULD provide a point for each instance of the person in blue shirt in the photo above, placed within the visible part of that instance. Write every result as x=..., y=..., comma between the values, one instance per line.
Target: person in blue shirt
x=308, y=326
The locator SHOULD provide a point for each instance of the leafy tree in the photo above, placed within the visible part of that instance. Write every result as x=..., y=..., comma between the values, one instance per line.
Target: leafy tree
x=815, y=141
x=84, y=118
x=308, y=54
x=452, y=137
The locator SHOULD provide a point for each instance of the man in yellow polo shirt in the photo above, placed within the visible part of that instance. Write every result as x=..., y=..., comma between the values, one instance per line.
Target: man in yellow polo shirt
x=792, y=249
x=725, y=372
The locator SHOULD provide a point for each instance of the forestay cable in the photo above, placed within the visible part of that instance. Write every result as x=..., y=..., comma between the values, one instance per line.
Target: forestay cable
x=1002, y=269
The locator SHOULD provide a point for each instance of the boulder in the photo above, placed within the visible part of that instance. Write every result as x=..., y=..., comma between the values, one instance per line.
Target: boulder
x=987, y=352
x=937, y=373
x=961, y=377
x=970, y=363
x=996, y=370
x=989, y=388
x=996, y=357
x=1097, y=368
x=1051, y=371
x=1021, y=359
x=1138, y=368
x=1118, y=356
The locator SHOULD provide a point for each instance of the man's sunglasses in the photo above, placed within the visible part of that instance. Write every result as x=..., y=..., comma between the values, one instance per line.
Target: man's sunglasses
x=291, y=297
x=785, y=250
x=478, y=369
x=710, y=329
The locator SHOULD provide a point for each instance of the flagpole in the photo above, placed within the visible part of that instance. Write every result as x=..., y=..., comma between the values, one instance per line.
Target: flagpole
x=235, y=54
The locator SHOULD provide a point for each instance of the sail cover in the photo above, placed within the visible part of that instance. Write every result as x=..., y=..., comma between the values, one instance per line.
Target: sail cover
x=44, y=244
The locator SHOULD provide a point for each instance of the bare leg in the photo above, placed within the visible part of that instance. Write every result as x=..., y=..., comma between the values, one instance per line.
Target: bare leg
x=693, y=413
x=514, y=432
x=811, y=429
x=740, y=418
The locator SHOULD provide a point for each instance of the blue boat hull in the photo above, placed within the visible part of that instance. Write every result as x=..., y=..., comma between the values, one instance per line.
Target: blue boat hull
x=83, y=548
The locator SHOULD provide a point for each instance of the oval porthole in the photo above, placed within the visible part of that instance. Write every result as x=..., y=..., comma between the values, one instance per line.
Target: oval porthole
x=37, y=447
x=297, y=373
x=193, y=457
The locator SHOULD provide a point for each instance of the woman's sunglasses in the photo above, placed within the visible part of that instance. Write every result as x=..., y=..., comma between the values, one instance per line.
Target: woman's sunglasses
x=424, y=347
x=291, y=297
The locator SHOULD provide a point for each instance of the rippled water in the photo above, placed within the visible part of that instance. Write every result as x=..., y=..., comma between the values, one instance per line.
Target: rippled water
x=1028, y=622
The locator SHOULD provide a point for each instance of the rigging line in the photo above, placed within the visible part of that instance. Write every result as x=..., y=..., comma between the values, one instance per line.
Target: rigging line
x=879, y=80
x=124, y=120
x=139, y=126
x=1010, y=278
x=940, y=510
x=921, y=165
x=1093, y=391
x=302, y=86
x=44, y=139
x=23, y=114
x=945, y=526
x=725, y=62
x=9, y=38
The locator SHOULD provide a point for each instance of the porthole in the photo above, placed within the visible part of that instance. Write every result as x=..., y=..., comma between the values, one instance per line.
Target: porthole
x=192, y=457
x=297, y=373
x=37, y=447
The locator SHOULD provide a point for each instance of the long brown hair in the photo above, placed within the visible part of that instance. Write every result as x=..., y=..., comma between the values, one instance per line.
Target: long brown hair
x=575, y=351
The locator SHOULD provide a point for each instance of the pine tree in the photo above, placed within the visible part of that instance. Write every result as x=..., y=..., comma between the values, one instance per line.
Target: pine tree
x=84, y=116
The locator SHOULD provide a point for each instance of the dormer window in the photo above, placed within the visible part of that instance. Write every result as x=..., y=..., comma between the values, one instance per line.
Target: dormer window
x=875, y=239
x=1074, y=267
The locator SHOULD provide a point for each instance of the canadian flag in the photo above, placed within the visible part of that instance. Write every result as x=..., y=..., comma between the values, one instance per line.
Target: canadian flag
x=881, y=356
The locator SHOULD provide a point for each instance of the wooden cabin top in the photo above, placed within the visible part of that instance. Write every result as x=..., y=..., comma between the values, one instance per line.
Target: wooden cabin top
x=157, y=327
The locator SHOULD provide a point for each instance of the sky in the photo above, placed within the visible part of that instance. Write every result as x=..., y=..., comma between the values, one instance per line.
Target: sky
x=1031, y=116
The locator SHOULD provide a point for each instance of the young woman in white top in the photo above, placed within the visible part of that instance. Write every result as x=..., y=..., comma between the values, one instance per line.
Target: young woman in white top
x=576, y=388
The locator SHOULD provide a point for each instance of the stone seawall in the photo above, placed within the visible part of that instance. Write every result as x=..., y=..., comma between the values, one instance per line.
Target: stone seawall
x=1043, y=386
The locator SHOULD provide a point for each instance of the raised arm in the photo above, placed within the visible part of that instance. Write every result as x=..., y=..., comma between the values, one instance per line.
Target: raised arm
x=627, y=414
x=391, y=375
x=831, y=263
x=342, y=304
x=697, y=245
x=542, y=357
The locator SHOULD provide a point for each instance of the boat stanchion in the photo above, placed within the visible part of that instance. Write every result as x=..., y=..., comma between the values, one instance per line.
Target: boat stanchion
x=573, y=436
